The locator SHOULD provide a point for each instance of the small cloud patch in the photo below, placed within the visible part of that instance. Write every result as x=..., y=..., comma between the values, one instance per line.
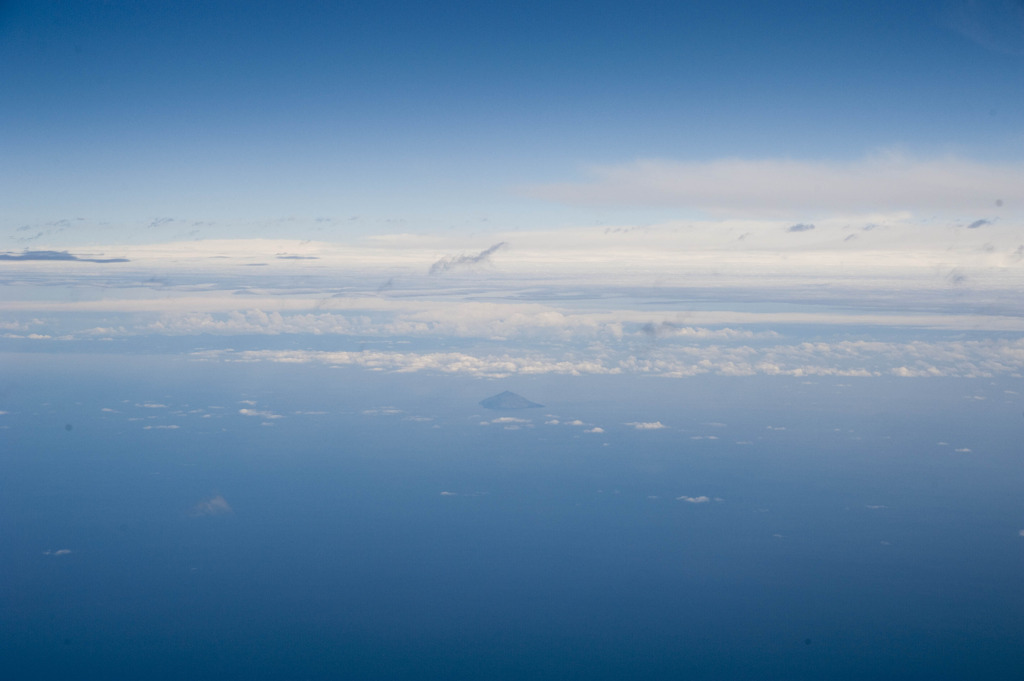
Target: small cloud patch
x=216, y=505
x=647, y=425
x=261, y=414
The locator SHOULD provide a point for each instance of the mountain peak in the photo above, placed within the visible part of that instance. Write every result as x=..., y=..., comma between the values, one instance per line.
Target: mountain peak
x=508, y=400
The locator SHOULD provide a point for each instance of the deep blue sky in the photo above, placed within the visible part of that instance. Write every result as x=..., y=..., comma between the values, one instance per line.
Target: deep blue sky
x=212, y=110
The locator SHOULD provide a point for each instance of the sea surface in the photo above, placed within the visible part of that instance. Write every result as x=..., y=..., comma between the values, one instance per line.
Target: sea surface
x=166, y=518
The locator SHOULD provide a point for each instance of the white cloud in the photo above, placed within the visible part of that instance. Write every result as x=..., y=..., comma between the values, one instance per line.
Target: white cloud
x=152, y=405
x=963, y=450
x=694, y=500
x=595, y=429
x=171, y=427
x=647, y=425
x=774, y=187
x=216, y=505
x=854, y=358
x=58, y=552
x=259, y=413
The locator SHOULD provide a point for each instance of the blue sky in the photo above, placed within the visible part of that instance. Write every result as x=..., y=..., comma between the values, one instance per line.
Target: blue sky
x=440, y=115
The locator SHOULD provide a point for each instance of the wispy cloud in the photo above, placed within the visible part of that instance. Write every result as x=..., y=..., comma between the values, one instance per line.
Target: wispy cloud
x=452, y=261
x=216, y=505
x=57, y=256
x=694, y=500
x=800, y=227
x=58, y=552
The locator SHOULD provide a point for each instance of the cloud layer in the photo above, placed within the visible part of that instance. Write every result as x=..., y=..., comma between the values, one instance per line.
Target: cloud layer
x=886, y=181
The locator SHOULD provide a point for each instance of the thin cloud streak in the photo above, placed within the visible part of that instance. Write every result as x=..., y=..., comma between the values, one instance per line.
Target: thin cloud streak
x=452, y=261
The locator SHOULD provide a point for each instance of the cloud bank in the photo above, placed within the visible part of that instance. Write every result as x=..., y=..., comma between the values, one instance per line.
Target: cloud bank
x=886, y=181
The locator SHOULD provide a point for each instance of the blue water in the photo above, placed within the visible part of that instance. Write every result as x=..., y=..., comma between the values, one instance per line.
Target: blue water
x=558, y=554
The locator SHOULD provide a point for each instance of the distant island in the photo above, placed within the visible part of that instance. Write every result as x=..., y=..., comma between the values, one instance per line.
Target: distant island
x=508, y=400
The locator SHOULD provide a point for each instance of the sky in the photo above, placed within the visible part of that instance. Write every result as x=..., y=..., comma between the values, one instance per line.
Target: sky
x=404, y=117
x=756, y=267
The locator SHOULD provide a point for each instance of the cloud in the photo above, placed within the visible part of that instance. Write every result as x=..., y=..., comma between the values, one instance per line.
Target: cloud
x=980, y=358
x=647, y=425
x=261, y=414
x=58, y=552
x=452, y=261
x=883, y=181
x=151, y=405
x=979, y=223
x=667, y=329
x=382, y=411
x=61, y=256
x=161, y=427
x=801, y=227
x=216, y=505
x=595, y=429
x=694, y=500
